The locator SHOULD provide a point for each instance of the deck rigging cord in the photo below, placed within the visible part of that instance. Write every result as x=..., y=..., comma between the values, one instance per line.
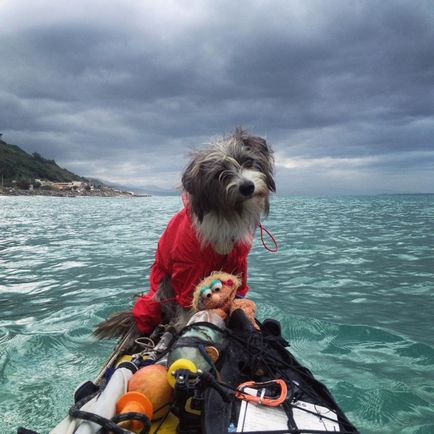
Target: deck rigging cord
x=257, y=346
x=260, y=354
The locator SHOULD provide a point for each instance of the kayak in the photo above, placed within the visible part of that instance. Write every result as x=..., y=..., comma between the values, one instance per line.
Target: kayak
x=221, y=377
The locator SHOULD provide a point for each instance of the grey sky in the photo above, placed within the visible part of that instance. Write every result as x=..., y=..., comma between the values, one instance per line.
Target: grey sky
x=122, y=89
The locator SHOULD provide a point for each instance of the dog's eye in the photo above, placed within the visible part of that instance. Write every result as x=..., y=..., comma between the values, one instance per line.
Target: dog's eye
x=206, y=293
x=216, y=285
x=248, y=163
x=221, y=175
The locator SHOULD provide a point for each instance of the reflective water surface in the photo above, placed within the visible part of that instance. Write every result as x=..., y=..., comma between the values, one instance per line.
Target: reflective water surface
x=352, y=284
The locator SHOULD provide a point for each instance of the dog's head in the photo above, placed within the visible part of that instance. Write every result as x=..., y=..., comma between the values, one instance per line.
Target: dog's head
x=231, y=176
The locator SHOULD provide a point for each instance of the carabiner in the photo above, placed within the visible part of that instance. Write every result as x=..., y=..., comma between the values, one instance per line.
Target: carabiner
x=263, y=399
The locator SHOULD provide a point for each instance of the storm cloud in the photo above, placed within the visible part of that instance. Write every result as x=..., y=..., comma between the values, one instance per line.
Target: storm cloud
x=122, y=90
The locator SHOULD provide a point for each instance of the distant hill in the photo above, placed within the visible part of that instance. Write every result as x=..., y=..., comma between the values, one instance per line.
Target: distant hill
x=16, y=165
x=137, y=189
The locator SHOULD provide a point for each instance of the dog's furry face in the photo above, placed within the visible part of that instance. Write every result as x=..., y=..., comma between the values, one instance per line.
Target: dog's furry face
x=229, y=182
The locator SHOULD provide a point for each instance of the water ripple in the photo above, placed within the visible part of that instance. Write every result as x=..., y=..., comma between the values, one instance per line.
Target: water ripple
x=351, y=284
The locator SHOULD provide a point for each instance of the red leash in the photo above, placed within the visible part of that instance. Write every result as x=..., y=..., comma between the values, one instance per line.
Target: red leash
x=276, y=247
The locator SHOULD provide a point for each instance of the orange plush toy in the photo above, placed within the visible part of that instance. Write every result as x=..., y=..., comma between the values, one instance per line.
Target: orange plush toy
x=217, y=293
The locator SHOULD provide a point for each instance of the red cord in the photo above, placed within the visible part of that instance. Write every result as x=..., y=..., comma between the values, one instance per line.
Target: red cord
x=276, y=247
x=166, y=300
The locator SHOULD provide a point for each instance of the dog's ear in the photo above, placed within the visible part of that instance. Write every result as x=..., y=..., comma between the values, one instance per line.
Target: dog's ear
x=201, y=205
x=263, y=151
x=271, y=184
x=188, y=178
x=256, y=144
x=192, y=180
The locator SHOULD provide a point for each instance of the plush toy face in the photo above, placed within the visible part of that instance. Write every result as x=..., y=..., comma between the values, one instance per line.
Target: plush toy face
x=216, y=292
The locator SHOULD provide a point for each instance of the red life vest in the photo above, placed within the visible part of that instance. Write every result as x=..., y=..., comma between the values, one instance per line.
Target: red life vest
x=180, y=256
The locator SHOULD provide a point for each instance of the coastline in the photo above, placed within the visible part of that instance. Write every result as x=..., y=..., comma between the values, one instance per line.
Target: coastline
x=106, y=192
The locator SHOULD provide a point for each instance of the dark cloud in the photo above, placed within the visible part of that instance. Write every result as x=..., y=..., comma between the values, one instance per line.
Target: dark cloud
x=123, y=89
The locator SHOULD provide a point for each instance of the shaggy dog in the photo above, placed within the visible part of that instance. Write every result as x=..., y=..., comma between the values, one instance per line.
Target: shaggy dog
x=226, y=191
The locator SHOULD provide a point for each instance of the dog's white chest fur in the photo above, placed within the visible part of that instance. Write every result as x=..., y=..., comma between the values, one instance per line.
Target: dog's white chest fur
x=223, y=234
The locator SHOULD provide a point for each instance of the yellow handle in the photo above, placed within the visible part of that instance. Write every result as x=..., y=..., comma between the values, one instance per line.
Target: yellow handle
x=175, y=366
x=125, y=358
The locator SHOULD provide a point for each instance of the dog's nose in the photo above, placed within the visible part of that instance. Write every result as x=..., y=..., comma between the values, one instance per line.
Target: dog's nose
x=247, y=188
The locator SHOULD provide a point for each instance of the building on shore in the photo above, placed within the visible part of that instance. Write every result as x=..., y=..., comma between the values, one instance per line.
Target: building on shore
x=64, y=186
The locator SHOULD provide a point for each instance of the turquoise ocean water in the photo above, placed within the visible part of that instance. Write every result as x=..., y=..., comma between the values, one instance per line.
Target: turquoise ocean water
x=352, y=284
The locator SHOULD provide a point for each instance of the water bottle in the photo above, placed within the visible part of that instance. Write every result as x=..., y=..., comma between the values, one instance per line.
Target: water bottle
x=182, y=349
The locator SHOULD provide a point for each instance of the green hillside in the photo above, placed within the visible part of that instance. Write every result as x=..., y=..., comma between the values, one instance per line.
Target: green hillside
x=16, y=165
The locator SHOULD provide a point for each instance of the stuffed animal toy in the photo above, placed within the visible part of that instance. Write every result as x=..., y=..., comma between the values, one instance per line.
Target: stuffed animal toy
x=217, y=293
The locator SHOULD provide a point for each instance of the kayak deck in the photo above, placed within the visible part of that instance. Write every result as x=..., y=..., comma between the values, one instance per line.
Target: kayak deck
x=213, y=402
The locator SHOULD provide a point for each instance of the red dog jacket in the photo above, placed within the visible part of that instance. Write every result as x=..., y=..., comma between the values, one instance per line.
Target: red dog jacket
x=180, y=256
